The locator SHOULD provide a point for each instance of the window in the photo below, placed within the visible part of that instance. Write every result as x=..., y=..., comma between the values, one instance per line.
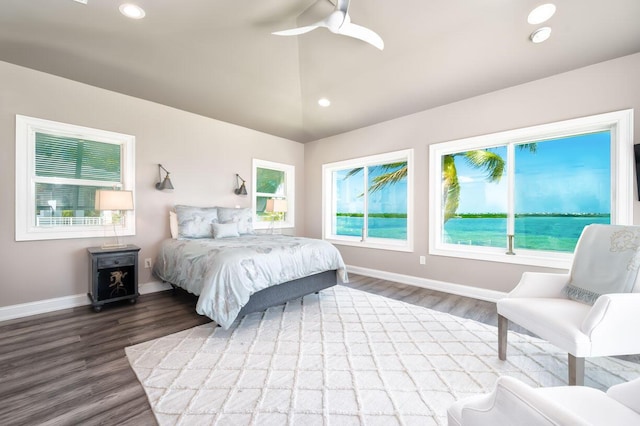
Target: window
x=368, y=201
x=524, y=196
x=273, y=181
x=59, y=167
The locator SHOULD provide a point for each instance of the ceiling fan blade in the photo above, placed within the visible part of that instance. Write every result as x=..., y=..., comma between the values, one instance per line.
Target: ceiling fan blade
x=301, y=30
x=296, y=31
x=339, y=22
x=362, y=33
x=342, y=5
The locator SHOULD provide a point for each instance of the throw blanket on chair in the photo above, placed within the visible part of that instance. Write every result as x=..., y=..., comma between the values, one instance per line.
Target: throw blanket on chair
x=606, y=261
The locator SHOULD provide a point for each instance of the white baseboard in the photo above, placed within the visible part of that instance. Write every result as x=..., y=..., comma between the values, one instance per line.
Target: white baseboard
x=153, y=287
x=42, y=306
x=49, y=305
x=457, y=289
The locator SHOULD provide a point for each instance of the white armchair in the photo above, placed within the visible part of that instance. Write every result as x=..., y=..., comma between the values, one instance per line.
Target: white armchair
x=608, y=328
x=512, y=402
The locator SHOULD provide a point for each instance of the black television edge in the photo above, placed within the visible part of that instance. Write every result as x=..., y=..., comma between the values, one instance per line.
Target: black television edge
x=636, y=151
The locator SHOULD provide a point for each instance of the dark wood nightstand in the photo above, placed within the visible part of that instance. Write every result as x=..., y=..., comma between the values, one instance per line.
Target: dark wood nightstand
x=113, y=275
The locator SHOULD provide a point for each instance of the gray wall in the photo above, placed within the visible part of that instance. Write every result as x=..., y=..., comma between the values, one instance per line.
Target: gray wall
x=604, y=87
x=202, y=155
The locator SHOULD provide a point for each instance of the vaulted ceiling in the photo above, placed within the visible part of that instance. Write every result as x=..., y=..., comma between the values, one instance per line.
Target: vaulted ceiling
x=219, y=59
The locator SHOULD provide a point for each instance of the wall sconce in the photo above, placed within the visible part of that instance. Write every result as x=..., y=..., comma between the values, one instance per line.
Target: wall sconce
x=163, y=183
x=240, y=189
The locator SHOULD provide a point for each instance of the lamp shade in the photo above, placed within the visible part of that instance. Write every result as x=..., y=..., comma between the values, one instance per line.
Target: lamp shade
x=165, y=184
x=242, y=190
x=276, y=206
x=108, y=199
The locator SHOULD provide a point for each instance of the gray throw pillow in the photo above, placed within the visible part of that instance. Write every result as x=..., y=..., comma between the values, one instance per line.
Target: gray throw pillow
x=225, y=230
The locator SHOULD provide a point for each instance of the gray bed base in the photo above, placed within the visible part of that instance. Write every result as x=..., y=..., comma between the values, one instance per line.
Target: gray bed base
x=282, y=293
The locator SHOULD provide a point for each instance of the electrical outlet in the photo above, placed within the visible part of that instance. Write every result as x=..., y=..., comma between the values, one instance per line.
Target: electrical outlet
x=147, y=263
x=423, y=260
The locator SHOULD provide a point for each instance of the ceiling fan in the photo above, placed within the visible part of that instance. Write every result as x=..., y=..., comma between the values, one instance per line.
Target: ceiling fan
x=339, y=22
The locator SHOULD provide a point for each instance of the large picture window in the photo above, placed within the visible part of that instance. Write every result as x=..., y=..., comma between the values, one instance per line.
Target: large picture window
x=524, y=196
x=59, y=167
x=274, y=191
x=367, y=201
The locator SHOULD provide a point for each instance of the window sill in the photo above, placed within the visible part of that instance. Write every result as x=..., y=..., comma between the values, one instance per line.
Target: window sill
x=267, y=225
x=522, y=257
x=371, y=245
x=40, y=234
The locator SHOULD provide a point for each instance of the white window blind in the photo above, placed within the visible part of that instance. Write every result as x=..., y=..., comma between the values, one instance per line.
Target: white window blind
x=72, y=158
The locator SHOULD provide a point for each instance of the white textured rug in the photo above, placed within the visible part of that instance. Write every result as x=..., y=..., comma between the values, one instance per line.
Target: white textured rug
x=342, y=357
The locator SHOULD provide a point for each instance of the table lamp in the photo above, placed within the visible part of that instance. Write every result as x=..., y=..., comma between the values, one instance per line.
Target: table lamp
x=114, y=201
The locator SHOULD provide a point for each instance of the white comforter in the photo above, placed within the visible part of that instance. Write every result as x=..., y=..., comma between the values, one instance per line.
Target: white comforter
x=226, y=272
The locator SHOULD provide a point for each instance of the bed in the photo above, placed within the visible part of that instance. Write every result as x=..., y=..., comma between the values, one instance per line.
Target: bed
x=234, y=276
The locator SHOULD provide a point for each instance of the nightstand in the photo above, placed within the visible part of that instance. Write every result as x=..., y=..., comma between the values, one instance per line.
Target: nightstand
x=113, y=275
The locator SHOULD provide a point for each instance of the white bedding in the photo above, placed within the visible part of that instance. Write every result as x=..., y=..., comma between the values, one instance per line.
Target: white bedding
x=226, y=272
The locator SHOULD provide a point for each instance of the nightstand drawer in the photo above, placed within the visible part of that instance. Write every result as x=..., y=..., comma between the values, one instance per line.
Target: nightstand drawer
x=114, y=262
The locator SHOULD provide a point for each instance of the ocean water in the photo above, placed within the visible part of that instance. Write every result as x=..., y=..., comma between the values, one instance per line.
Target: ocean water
x=379, y=227
x=552, y=233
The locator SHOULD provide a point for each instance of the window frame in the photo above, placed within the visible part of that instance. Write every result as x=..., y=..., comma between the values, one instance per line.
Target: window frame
x=290, y=187
x=620, y=126
x=25, y=221
x=328, y=203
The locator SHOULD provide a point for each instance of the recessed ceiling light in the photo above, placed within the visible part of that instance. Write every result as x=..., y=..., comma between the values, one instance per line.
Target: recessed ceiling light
x=132, y=11
x=541, y=13
x=324, y=102
x=540, y=35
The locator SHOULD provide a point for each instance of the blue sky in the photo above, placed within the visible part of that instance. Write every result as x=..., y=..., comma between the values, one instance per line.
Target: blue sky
x=568, y=175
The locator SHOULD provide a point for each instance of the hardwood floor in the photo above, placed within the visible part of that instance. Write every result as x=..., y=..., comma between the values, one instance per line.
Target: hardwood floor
x=68, y=367
x=456, y=305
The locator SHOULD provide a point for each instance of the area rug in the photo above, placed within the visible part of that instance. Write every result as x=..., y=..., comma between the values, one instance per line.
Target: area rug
x=341, y=357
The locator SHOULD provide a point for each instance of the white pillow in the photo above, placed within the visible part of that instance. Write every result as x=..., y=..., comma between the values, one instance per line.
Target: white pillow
x=173, y=224
x=225, y=230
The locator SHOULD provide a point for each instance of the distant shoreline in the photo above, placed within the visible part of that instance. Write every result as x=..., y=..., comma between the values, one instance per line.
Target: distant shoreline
x=383, y=215
x=480, y=215
x=504, y=215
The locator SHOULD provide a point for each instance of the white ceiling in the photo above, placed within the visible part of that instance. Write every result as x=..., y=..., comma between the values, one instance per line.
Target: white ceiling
x=218, y=59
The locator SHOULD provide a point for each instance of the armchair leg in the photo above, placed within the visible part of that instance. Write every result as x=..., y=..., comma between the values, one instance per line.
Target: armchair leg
x=503, y=327
x=576, y=371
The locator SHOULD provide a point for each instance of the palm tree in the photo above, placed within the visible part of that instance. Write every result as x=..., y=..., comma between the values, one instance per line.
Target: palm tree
x=492, y=163
x=395, y=172
x=486, y=159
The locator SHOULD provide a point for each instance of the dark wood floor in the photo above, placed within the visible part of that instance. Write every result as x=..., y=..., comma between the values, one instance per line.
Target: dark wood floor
x=69, y=367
